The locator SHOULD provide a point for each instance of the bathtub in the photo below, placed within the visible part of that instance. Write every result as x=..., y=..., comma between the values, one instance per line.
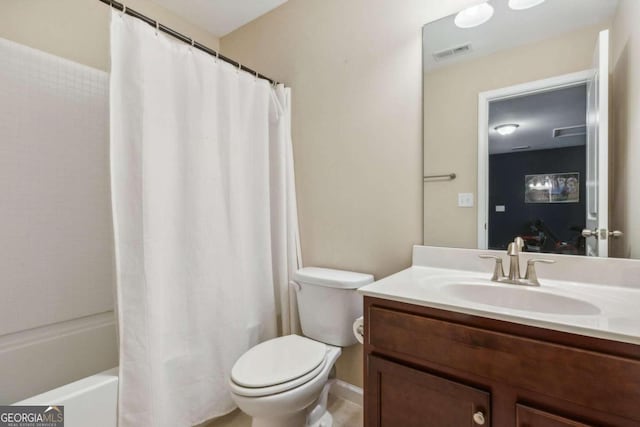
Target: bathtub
x=91, y=401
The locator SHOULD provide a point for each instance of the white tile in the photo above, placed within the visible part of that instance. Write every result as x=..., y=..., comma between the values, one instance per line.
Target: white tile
x=55, y=214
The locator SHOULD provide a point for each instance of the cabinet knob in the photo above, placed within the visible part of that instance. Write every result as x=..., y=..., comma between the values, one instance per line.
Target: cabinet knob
x=478, y=418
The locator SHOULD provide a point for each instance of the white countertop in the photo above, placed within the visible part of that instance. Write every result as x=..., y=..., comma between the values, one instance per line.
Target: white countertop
x=605, y=310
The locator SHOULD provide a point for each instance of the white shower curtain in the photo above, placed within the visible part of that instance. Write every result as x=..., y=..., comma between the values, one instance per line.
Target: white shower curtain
x=205, y=222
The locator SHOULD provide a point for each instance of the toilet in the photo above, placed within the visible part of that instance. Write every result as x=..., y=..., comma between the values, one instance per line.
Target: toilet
x=283, y=382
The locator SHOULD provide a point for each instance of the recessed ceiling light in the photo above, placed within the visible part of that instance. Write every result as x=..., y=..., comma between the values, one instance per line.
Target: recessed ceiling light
x=521, y=147
x=474, y=15
x=524, y=4
x=507, y=129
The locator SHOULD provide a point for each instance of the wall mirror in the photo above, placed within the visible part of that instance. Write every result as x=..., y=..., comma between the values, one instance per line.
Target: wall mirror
x=525, y=118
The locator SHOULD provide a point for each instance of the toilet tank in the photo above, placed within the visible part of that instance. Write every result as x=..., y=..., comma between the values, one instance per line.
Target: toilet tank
x=328, y=303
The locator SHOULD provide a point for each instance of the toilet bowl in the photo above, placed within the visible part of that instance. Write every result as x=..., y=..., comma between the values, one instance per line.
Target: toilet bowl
x=283, y=382
x=288, y=401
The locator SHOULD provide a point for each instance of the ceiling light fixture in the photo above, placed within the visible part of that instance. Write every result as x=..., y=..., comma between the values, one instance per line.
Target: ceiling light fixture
x=524, y=4
x=474, y=15
x=507, y=129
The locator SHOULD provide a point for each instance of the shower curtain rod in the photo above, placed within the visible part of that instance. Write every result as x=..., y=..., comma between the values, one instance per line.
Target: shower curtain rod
x=183, y=38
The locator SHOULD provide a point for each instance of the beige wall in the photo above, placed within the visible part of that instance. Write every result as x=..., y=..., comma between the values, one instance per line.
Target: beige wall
x=79, y=29
x=355, y=70
x=451, y=123
x=625, y=188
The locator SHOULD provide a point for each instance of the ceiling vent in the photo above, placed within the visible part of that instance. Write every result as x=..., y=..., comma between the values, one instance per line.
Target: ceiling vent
x=570, y=131
x=451, y=52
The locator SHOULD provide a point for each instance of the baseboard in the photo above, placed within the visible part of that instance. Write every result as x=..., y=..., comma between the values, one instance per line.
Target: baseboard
x=346, y=391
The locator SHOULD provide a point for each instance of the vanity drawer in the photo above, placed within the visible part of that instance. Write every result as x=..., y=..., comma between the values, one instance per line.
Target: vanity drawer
x=594, y=380
x=531, y=417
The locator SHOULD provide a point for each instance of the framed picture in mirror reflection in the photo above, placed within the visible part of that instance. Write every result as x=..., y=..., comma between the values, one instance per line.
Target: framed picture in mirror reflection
x=552, y=188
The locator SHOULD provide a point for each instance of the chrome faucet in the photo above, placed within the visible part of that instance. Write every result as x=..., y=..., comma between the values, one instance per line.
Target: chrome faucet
x=515, y=248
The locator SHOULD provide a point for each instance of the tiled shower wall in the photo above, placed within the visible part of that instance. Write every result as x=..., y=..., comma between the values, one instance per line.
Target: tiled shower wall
x=56, y=248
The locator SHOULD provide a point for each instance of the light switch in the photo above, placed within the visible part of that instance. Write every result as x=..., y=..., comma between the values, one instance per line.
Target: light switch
x=501, y=208
x=465, y=200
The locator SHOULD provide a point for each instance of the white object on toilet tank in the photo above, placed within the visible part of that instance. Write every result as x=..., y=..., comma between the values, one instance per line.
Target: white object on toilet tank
x=329, y=304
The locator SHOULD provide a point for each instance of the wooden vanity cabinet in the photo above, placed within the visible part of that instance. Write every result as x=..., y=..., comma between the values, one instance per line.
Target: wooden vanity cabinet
x=529, y=417
x=412, y=398
x=428, y=367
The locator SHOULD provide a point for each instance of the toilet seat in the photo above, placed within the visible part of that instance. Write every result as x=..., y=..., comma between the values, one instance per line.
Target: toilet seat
x=277, y=365
x=278, y=388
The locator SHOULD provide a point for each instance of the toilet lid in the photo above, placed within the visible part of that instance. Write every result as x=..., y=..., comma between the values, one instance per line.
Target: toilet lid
x=278, y=361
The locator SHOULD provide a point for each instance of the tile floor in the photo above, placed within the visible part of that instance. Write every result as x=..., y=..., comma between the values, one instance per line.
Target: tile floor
x=345, y=414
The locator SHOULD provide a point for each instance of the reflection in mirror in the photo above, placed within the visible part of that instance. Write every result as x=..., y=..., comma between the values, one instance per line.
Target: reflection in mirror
x=529, y=129
x=546, y=207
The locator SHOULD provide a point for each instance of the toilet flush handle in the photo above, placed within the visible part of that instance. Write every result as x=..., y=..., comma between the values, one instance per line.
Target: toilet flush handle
x=295, y=285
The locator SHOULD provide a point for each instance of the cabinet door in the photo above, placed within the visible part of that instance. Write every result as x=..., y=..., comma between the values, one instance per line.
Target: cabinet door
x=397, y=395
x=531, y=417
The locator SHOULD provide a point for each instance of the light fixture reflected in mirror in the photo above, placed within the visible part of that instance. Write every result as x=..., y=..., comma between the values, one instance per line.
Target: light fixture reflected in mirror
x=507, y=129
x=474, y=15
x=524, y=4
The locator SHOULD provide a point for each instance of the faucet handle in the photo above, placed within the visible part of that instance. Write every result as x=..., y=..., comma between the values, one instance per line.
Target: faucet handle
x=498, y=270
x=531, y=274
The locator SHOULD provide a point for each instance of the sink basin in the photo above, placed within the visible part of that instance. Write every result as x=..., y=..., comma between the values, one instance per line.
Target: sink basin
x=525, y=299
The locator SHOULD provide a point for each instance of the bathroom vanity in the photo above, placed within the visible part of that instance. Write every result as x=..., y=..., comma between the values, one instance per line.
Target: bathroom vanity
x=445, y=347
x=454, y=340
